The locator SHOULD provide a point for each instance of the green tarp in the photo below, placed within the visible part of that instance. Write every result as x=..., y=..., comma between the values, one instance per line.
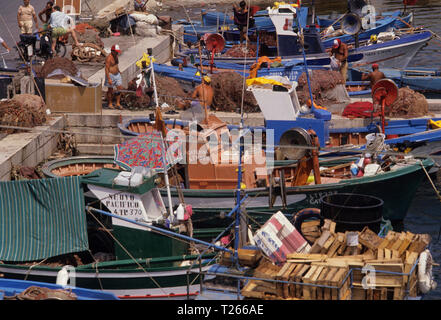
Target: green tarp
x=41, y=219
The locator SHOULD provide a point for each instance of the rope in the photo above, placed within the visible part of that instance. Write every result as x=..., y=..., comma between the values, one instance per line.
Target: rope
x=127, y=252
x=430, y=180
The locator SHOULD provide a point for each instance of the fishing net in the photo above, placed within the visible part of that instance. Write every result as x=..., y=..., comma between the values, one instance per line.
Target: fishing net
x=55, y=63
x=408, y=104
x=24, y=110
x=321, y=81
x=228, y=93
x=242, y=51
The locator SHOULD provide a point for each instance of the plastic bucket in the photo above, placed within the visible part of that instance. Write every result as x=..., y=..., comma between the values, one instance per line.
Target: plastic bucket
x=352, y=212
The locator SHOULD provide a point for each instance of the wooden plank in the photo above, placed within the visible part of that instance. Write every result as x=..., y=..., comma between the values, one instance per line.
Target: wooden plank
x=383, y=295
x=292, y=277
x=312, y=223
x=327, y=244
x=336, y=282
x=327, y=291
x=334, y=247
x=358, y=294
x=287, y=277
x=314, y=279
x=306, y=279
x=417, y=246
x=318, y=244
x=383, y=244
x=387, y=253
x=299, y=279
x=322, y=281
x=369, y=239
x=398, y=293
x=306, y=256
x=380, y=254
x=281, y=276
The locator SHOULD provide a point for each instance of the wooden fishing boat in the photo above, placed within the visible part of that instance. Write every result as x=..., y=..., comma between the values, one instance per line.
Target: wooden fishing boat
x=83, y=165
x=27, y=290
x=123, y=258
x=397, y=51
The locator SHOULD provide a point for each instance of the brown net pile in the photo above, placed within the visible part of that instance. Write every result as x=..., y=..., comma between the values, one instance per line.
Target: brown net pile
x=408, y=104
x=242, y=51
x=169, y=91
x=56, y=63
x=88, y=34
x=320, y=80
x=228, y=93
x=24, y=110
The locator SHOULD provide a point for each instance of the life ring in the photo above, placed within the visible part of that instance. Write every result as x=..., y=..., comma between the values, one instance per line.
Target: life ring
x=304, y=214
x=425, y=279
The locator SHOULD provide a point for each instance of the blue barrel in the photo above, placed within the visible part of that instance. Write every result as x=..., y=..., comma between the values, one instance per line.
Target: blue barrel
x=353, y=212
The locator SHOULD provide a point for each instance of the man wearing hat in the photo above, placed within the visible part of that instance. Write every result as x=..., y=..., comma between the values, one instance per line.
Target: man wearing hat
x=113, y=77
x=203, y=96
x=373, y=76
x=340, y=52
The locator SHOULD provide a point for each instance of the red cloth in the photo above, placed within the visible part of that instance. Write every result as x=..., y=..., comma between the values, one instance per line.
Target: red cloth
x=359, y=110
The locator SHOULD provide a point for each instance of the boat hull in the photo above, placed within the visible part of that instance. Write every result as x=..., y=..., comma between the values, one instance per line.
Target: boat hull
x=395, y=188
x=127, y=282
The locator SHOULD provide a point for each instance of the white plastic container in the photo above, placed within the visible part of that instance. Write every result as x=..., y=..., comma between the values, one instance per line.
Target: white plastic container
x=371, y=169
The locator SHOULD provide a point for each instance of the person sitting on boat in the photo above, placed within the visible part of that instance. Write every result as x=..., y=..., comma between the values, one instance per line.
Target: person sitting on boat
x=373, y=76
x=340, y=52
x=4, y=44
x=242, y=19
x=203, y=95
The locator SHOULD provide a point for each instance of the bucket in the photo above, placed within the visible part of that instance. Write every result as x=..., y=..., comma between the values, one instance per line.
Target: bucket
x=352, y=212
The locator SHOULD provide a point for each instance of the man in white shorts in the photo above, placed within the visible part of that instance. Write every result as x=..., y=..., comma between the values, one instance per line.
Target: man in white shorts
x=25, y=14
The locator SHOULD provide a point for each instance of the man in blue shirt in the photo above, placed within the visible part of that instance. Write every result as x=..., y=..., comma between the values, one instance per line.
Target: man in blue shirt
x=58, y=22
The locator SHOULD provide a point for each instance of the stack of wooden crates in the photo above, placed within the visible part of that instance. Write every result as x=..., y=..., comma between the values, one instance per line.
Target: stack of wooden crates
x=332, y=270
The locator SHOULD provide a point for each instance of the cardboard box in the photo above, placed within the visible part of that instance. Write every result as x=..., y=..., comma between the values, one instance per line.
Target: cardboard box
x=69, y=98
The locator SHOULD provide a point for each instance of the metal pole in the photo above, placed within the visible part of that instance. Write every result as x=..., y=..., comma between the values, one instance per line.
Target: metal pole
x=150, y=54
x=160, y=230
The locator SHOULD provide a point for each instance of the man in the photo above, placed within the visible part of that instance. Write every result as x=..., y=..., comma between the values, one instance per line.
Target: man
x=203, y=93
x=373, y=76
x=45, y=14
x=113, y=77
x=4, y=44
x=340, y=52
x=25, y=14
x=241, y=16
x=57, y=22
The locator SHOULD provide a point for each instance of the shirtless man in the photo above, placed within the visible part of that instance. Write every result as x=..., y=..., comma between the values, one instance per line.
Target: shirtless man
x=340, y=52
x=113, y=77
x=204, y=94
x=373, y=76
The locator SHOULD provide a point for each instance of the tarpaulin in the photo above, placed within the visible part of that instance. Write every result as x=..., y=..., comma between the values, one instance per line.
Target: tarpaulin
x=42, y=218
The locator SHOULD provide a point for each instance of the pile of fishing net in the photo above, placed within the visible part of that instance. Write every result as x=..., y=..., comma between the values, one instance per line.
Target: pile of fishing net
x=24, y=110
x=168, y=89
x=242, y=51
x=228, y=90
x=322, y=81
x=66, y=66
x=88, y=34
x=408, y=104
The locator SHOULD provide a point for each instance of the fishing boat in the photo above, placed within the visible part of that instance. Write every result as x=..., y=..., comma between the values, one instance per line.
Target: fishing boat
x=396, y=51
x=93, y=248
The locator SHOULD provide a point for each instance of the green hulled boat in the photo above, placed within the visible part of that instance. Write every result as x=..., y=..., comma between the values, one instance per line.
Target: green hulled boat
x=46, y=235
